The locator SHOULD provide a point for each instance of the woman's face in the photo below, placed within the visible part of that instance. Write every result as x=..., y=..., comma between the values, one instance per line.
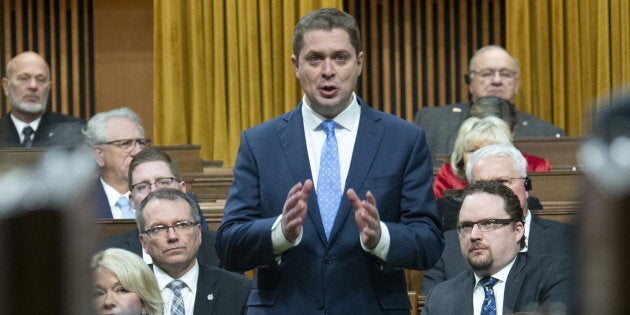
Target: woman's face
x=110, y=297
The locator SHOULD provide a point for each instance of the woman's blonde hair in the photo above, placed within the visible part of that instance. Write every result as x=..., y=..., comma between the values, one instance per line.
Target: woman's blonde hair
x=490, y=129
x=134, y=275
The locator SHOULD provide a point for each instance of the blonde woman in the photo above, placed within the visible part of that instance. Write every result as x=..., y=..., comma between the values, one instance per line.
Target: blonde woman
x=124, y=284
x=473, y=134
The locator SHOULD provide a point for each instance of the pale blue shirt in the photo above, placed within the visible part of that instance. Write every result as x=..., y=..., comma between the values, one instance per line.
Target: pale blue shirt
x=347, y=125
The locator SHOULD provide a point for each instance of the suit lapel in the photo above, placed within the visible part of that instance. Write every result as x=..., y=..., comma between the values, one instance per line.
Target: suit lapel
x=514, y=283
x=293, y=143
x=12, y=139
x=369, y=136
x=41, y=135
x=207, y=292
x=537, y=243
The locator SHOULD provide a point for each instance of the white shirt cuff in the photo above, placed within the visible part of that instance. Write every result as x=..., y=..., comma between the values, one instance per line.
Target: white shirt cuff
x=278, y=241
x=382, y=247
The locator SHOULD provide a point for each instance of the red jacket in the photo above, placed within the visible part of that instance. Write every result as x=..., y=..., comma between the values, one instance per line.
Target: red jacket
x=446, y=179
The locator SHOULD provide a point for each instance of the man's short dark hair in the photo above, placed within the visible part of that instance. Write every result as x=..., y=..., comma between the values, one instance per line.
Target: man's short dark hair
x=151, y=154
x=512, y=204
x=326, y=19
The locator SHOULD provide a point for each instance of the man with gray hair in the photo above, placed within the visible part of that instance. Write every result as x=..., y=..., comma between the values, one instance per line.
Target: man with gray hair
x=505, y=164
x=116, y=137
x=27, y=86
x=492, y=71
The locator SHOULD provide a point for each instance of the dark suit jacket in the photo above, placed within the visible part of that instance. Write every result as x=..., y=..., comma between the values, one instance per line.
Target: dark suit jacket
x=534, y=280
x=336, y=276
x=221, y=292
x=129, y=240
x=54, y=130
x=545, y=237
x=441, y=124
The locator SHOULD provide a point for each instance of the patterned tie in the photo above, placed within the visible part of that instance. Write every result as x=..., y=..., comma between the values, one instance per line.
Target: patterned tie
x=329, y=183
x=489, y=306
x=177, y=307
x=125, y=208
x=27, y=132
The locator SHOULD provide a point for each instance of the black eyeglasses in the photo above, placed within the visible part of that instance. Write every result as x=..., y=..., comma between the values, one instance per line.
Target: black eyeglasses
x=162, y=230
x=128, y=144
x=145, y=187
x=487, y=225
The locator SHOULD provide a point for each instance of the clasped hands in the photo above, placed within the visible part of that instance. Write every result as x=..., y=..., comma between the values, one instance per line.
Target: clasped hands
x=365, y=214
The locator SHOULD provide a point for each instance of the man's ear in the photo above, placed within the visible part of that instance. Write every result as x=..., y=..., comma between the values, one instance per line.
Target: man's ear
x=143, y=242
x=182, y=186
x=5, y=86
x=99, y=156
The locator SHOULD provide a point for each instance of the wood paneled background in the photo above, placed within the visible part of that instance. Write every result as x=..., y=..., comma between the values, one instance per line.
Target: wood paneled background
x=417, y=52
x=100, y=50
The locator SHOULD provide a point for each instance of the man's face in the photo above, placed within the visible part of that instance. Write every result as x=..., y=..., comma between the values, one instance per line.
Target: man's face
x=328, y=69
x=176, y=249
x=28, y=85
x=502, y=169
x=152, y=173
x=494, y=73
x=488, y=252
x=114, y=160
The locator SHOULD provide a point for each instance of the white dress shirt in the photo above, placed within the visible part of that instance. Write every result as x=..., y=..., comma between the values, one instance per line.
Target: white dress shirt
x=189, y=292
x=499, y=289
x=112, y=198
x=20, y=125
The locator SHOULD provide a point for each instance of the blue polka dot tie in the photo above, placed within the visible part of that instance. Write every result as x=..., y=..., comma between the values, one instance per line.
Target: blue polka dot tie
x=489, y=306
x=328, y=181
x=177, y=307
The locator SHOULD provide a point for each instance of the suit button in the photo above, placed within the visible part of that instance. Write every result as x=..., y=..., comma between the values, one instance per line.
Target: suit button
x=327, y=260
x=319, y=305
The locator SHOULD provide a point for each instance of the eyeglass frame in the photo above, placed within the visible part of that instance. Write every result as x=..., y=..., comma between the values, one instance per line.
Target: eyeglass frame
x=488, y=74
x=499, y=224
x=163, y=228
x=122, y=143
x=507, y=180
x=171, y=181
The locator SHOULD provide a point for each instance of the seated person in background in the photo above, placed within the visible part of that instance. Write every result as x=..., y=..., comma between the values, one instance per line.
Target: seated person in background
x=27, y=86
x=506, y=164
x=168, y=222
x=116, y=137
x=149, y=170
x=124, y=284
x=491, y=71
x=474, y=134
x=500, y=278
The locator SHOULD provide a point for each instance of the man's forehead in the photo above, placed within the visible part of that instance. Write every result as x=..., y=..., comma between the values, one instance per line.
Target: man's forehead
x=151, y=170
x=481, y=205
x=495, y=167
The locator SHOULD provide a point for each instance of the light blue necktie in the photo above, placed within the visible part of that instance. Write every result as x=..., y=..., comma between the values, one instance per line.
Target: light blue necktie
x=177, y=307
x=489, y=306
x=328, y=182
x=125, y=208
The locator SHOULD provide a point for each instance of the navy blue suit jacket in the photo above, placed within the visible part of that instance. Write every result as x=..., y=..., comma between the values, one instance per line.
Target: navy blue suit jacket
x=390, y=159
x=545, y=237
x=441, y=124
x=54, y=130
x=534, y=280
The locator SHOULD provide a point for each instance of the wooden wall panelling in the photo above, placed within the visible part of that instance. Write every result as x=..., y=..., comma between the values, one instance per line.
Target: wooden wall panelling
x=419, y=60
x=61, y=31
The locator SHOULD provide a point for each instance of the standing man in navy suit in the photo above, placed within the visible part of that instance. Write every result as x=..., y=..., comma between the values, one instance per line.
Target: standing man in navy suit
x=307, y=259
x=499, y=278
x=27, y=87
x=168, y=222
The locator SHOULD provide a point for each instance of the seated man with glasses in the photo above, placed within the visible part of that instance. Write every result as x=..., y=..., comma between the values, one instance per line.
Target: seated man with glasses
x=115, y=136
x=149, y=170
x=170, y=233
x=492, y=71
x=504, y=164
x=500, y=278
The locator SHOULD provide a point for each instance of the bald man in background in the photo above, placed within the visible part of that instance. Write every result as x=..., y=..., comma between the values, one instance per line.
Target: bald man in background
x=29, y=124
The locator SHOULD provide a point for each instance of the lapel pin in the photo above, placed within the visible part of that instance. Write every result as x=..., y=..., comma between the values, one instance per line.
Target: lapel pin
x=210, y=297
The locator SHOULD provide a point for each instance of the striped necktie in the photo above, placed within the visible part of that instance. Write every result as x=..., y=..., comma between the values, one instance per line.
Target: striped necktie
x=177, y=306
